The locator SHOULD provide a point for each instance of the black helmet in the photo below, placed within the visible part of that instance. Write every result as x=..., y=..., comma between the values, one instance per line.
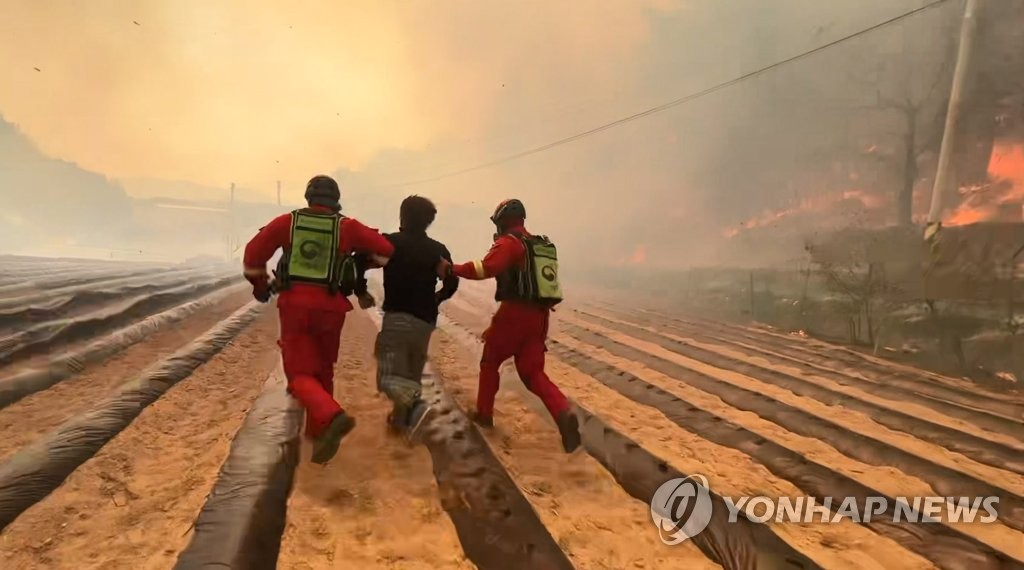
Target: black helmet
x=323, y=191
x=510, y=208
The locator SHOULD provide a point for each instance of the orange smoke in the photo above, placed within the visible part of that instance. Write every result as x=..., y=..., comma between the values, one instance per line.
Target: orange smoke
x=1003, y=193
x=869, y=201
x=639, y=256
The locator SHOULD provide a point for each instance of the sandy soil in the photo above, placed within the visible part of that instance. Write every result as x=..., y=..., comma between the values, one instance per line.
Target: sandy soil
x=29, y=418
x=594, y=521
x=849, y=420
x=730, y=472
x=885, y=479
x=132, y=505
x=376, y=504
x=916, y=409
x=815, y=344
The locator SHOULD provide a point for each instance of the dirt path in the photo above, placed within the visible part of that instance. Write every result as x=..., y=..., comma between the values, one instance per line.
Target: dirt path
x=39, y=413
x=855, y=423
x=132, y=505
x=974, y=401
x=376, y=505
x=820, y=349
x=595, y=522
x=844, y=382
x=881, y=478
x=731, y=472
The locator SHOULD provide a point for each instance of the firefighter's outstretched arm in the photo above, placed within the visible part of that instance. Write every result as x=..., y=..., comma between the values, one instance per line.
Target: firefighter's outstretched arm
x=367, y=240
x=506, y=253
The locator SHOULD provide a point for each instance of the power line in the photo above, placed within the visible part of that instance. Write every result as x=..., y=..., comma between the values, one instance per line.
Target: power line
x=668, y=105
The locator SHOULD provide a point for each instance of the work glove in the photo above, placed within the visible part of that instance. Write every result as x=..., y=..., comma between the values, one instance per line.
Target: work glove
x=366, y=301
x=260, y=281
x=261, y=291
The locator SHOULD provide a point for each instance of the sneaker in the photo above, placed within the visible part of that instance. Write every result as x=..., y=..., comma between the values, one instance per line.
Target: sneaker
x=394, y=428
x=419, y=417
x=569, y=427
x=325, y=446
x=482, y=421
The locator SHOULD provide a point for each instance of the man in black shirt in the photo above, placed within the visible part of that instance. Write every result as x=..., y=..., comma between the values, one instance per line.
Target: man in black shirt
x=411, y=303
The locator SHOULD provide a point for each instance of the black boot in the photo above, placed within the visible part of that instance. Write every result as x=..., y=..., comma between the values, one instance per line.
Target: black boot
x=325, y=446
x=482, y=421
x=569, y=427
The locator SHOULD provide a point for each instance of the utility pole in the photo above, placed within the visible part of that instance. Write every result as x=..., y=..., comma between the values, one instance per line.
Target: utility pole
x=944, y=172
x=231, y=224
x=278, y=192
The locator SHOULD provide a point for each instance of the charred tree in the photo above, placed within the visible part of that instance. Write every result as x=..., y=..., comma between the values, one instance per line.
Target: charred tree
x=919, y=132
x=909, y=77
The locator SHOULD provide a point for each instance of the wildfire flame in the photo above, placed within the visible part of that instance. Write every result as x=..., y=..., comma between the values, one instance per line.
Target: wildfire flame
x=812, y=205
x=1005, y=188
x=639, y=256
x=1008, y=377
x=1001, y=197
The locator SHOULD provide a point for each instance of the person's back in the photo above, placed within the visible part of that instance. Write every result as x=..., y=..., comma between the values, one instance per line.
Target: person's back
x=410, y=278
x=526, y=268
x=312, y=303
x=410, y=312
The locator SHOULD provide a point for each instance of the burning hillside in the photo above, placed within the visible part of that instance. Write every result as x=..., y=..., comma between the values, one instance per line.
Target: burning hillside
x=850, y=207
x=1001, y=198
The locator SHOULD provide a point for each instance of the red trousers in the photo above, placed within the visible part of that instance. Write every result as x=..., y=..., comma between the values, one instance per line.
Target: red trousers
x=518, y=331
x=309, y=348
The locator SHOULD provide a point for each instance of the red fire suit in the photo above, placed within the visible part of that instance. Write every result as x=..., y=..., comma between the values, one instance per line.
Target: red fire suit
x=518, y=330
x=311, y=318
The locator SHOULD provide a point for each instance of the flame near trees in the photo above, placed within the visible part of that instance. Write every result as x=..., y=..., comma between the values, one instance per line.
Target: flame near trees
x=831, y=210
x=1001, y=198
x=1003, y=193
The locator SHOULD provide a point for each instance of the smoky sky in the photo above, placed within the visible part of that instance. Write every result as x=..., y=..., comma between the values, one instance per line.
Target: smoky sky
x=384, y=93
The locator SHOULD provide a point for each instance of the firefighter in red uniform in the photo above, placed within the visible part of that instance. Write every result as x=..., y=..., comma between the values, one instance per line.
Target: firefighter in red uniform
x=525, y=267
x=313, y=277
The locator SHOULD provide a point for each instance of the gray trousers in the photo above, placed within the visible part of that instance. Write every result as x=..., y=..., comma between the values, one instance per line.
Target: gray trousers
x=401, y=351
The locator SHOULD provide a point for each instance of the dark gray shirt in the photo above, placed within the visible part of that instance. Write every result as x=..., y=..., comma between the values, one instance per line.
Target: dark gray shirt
x=410, y=277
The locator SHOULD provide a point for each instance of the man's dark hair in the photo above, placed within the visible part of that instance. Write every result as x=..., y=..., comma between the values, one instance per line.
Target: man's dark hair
x=417, y=213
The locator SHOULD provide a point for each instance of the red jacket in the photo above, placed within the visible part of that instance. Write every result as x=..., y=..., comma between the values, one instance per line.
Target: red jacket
x=506, y=253
x=278, y=234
